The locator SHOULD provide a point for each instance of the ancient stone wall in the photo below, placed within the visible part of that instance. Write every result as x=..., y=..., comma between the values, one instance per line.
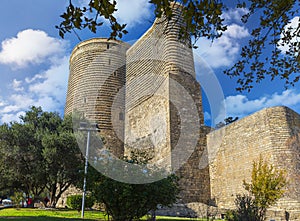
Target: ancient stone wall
x=97, y=76
x=272, y=133
x=164, y=108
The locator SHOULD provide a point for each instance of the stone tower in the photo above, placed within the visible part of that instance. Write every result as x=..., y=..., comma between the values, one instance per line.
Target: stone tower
x=96, y=79
x=164, y=107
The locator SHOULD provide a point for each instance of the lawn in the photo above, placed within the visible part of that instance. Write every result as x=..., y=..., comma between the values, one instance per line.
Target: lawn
x=48, y=215
x=60, y=215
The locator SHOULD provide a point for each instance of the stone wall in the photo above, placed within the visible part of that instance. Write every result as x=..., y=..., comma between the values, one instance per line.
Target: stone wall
x=95, y=87
x=164, y=107
x=272, y=133
x=147, y=87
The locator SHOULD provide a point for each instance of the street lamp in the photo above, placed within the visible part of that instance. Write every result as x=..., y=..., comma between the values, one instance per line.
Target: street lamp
x=84, y=127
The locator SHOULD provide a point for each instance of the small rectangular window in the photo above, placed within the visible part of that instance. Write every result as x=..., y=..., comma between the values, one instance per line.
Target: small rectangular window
x=107, y=46
x=121, y=116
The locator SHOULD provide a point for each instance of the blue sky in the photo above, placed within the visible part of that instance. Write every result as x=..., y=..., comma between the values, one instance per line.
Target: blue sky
x=34, y=59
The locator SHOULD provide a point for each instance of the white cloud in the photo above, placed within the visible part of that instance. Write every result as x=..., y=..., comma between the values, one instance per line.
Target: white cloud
x=240, y=105
x=11, y=117
x=234, y=15
x=30, y=47
x=2, y=103
x=46, y=89
x=222, y=51
x=37, y=76
x=16, y=103
x=54, y=82
x=130, y=12
x=16, y=85
x=293, y=25
x=133, y=12
x=236, y=31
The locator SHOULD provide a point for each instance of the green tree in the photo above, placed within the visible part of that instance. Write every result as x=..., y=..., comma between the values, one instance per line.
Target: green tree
x=75, y=201
x=266, y=187
x=62, y=159
x=126, y=202
x=39, y=154
x=227, y=121
x=260, y=58
x=246, y=209
x=21, y=157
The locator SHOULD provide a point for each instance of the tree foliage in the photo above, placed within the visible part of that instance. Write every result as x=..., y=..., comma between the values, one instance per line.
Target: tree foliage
x=39, y=154
x=202, y=19
x=227, y=121
x=126, y=202
x=246, y=209
x=75, y=201
x=267, y=185
x=261, y=58
x=272, y=33
x=266, y=188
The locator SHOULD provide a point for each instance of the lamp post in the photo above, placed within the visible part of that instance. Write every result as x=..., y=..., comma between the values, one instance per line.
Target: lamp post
x=84, y=127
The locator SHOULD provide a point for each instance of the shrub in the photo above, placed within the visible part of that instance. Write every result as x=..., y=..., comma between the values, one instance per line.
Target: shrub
x=266, y=187
x=18, y=198
x=75, y=201
x=246, y=209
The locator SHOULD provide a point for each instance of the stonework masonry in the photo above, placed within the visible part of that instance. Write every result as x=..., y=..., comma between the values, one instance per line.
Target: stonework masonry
x=97, y=75
x=156, y=64
x=272, y=133
x=146, y=99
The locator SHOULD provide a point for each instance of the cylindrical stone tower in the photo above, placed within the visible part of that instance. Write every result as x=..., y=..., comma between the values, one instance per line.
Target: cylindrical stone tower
x=95, y=87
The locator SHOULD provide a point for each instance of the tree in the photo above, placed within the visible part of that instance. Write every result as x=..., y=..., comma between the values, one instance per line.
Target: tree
x=42, y=152
x=266, y=187
x=21, y=154
x=246, y=209
x=126, y=202
x=75, y=202
x=260, y=58
x=227, y=121
x=62, y=159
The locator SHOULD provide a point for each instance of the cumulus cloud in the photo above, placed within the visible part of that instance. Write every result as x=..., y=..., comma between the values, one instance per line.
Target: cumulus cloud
x=46, y=89
x=54, y=81
x=293, y=25
x=11, y=117
x=16, y=85
x=130, y=12
x=30, y=47
x=32, y=79
x=241, y=106
x=2, y=102
x=222, y=52
x=234, y=14
x=133, y=12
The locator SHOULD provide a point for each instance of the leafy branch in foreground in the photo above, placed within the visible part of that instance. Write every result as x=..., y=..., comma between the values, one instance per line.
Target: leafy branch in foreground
x=90, y=17
x=200, y=19
x=276, y=34
x=272, y=50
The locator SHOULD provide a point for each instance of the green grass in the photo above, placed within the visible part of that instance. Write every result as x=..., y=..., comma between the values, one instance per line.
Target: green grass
x=26, y=214
x=48, y=215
